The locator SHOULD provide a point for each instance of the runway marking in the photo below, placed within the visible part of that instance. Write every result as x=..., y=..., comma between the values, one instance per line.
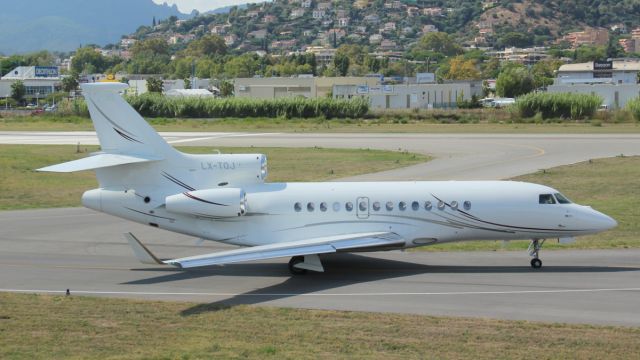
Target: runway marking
x=515, y=292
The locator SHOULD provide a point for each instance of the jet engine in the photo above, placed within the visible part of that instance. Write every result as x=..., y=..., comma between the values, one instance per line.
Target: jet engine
x=213, y=203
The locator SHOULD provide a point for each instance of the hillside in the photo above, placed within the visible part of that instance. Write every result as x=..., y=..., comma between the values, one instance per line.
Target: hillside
x=63, y=25
x=286, y=25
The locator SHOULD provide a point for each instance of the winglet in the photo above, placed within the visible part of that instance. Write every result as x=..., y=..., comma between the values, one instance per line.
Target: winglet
x=141, y=252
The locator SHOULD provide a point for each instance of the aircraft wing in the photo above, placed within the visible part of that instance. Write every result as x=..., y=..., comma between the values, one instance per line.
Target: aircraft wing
x=355, y=242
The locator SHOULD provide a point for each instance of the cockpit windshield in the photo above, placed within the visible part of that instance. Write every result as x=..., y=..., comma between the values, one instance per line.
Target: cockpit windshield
x=546, y=199
x=562, y=199
x=556, y=198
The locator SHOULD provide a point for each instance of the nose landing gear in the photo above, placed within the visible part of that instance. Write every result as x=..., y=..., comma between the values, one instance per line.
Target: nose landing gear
x=534, y=250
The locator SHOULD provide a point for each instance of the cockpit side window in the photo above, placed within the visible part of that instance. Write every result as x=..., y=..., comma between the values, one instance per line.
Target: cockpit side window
x=562, y=199
x=547, y=199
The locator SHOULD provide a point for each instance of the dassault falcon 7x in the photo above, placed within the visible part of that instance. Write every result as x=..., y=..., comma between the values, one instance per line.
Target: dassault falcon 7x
x=224, y=197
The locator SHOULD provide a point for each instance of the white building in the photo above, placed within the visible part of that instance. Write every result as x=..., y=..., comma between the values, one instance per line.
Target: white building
x=39, y=81
x=411, y=96
x=615, y=81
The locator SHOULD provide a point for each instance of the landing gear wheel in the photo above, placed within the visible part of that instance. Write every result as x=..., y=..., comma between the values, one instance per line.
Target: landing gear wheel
x=536, y=263
x=294, y=270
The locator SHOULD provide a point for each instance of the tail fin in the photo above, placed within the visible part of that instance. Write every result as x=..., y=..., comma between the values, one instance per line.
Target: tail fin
x=120, y=129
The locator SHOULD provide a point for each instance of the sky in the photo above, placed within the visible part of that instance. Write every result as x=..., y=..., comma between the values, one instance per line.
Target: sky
x=186, y=6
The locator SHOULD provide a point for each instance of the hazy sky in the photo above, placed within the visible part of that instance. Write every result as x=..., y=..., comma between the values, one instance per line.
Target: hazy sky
x=186, y=6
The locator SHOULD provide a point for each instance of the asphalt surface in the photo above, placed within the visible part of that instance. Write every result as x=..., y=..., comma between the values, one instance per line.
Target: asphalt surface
x=84, y=251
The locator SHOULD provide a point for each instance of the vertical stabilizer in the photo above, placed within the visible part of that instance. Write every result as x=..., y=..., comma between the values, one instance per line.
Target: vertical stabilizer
x=119, y=127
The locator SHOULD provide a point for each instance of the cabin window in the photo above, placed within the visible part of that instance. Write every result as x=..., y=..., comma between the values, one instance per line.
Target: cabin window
x=454, y=205
x=428, y=206
x=336, y=206
x=323, y=206
x=310, y=207
x=402, y=206
x=415, y=206
x=389, y=205
x=297, y=207
x=562, y=199
x=362, y=206
x=467, y=205
x=376, y=206
x=441, y=205
x=546, y=199
x=348, y=206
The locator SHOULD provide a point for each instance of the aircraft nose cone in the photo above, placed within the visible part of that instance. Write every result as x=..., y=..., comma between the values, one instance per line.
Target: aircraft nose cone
x=602, y=221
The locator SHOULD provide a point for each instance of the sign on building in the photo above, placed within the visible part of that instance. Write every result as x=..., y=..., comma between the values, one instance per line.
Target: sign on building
x=362, y=89
x=46, y=71
x=424, y=78
x=603, y=65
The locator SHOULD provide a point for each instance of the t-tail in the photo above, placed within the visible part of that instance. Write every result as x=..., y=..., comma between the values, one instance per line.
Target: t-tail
x=139, y=171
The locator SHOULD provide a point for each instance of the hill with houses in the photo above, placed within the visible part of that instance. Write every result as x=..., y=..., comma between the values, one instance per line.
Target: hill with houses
x=393, y=26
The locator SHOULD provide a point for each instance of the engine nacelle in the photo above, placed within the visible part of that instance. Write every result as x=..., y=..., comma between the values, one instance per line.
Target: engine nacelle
x=215, y=203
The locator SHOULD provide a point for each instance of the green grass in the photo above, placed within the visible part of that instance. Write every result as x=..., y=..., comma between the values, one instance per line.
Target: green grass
x=55, y=327
x=398, y=124
x=23, y=188
x=608, y=185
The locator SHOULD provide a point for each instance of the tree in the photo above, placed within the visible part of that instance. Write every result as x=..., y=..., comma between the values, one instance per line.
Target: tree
x=436, y=42
x=461, y=69
x=18, y=91
x=543, y=72
x=226, y=89
x=155, y=85
x=208, y=45
x=70, y=83
x=154, y=21
x=514, y=80
x=341, y=63
x=88, y=60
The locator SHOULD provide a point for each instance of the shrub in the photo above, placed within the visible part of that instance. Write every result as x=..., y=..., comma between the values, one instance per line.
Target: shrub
x=558, y=105
x=76, y=107
x=633, y=106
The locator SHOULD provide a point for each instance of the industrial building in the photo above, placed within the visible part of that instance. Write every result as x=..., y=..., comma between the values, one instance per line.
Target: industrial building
x=304, y=86
x=615, y=81
x=412, y=96
x=39, y=81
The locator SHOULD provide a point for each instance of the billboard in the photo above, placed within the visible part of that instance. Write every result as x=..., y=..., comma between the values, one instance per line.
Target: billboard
x=423, y=78
x=46, y=71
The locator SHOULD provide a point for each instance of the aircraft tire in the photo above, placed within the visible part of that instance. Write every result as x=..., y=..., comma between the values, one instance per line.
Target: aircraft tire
x=536, y=263
x=294, y=270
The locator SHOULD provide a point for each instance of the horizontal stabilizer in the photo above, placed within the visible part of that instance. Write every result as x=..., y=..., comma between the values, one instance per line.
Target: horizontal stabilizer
x=347, y=243
x=96, y=162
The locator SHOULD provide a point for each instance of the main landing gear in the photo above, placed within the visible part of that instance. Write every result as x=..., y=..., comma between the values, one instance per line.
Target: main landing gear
x=534, y=250
x=298, y=265
x=292, y=265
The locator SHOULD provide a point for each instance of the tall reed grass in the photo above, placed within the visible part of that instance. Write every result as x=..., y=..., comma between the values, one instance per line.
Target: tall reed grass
x=558, y=105
x=156, y=105
x=634, y=107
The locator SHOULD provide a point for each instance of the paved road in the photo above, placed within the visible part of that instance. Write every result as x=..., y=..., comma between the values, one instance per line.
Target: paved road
x=52, y=250
x=458, y=156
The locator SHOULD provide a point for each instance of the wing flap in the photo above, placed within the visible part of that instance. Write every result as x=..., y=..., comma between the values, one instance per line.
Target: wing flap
x=96, y=162
x=348, y=242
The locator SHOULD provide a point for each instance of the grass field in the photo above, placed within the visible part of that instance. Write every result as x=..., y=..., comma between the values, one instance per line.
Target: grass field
x=55, y=327
x=23, y=188
x=74, y=123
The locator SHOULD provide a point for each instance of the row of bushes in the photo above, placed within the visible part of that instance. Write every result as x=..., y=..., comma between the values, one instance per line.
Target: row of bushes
x=156, y=105
x=558, y=105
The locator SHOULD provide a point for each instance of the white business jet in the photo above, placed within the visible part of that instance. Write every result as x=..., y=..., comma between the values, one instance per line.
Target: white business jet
x=224, y=197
